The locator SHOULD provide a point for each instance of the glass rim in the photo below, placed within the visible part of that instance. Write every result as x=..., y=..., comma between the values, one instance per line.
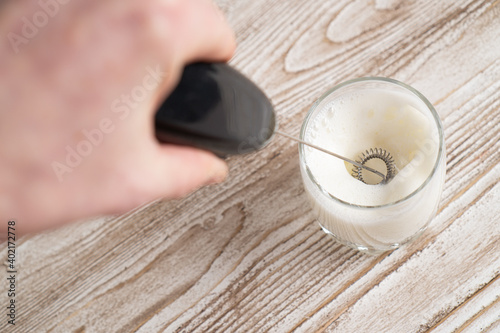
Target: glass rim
x=374, y=79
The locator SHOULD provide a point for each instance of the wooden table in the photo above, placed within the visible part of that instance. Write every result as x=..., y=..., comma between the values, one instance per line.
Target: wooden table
x=248, y=255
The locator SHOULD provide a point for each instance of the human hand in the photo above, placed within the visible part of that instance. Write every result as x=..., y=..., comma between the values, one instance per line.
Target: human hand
x=77, y=102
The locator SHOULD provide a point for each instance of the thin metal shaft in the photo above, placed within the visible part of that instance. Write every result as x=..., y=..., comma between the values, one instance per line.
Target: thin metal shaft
x=333, y=154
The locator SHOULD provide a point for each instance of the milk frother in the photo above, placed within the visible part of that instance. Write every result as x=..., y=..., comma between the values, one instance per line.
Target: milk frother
x=216, y=108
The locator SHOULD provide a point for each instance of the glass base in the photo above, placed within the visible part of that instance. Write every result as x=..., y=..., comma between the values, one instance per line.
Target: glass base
x=369, y=249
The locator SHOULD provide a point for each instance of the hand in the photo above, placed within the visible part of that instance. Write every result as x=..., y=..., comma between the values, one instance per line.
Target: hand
x=77, y=102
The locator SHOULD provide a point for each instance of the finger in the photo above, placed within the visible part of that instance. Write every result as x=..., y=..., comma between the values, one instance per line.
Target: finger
x=166, y=171
x=178, y=171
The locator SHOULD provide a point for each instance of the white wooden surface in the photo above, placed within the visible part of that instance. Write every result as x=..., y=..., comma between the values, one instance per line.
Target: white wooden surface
x=247, y=255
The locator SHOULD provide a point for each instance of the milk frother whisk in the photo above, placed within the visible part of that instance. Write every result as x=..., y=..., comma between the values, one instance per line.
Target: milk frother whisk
x=216, y=108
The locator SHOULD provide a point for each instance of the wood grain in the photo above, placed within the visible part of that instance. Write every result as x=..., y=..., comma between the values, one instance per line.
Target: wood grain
x=247, y=255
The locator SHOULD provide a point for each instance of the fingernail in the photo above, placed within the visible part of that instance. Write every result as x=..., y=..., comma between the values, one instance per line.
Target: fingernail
x=218, y=173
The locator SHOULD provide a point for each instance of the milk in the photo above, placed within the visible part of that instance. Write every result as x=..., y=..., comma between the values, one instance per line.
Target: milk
x=373, y=217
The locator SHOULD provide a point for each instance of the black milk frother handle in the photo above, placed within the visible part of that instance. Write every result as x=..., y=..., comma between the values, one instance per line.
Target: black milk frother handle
x=216, y=108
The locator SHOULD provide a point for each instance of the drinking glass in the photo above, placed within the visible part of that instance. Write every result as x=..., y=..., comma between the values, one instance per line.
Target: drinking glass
x=381, y=227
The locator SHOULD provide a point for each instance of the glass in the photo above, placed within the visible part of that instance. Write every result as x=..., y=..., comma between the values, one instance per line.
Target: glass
x=368, y=113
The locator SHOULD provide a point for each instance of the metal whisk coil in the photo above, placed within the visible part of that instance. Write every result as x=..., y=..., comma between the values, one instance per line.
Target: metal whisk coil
x=372, y=153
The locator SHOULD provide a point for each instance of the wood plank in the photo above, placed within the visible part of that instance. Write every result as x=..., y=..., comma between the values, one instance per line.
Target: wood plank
x=485, y=304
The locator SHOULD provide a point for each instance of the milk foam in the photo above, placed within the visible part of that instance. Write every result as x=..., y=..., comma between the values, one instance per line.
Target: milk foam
x=372, y=119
